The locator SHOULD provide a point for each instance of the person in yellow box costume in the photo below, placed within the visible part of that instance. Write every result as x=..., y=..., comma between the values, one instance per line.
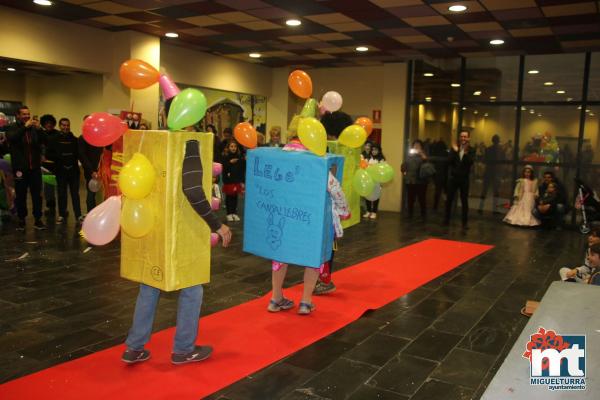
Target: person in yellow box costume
x=190, y=299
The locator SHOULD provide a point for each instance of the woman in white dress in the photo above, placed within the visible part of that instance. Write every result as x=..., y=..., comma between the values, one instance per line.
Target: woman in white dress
x=526, y=192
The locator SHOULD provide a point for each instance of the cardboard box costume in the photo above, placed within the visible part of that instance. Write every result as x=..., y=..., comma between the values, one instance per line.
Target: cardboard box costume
x=351, y=164
x=287, y=214
x=176, y=252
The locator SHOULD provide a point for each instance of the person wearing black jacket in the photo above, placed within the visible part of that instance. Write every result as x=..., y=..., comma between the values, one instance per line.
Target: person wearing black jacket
x=26, y=152
x=460, y=161
x=67, y=171
x=90, y=160
x=49, y=136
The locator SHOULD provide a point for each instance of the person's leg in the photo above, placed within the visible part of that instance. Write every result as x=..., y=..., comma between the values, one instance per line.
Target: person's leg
x=484, y=190
x=35, y=186
x=310, y=280
x=74, y=190
x=21, y=185
x=143, y=318
x=277, y=278
x=369, y=205
x=451, y=192
x=496, y=193
x=229, y=204
x=50, y=197
x=411, y=197
x=437, y=193
x=559, y=215
x=375, y=206
x=62, y=182
x=422, y=192
x=234, y=203
x=188, y=314
x=464, y=200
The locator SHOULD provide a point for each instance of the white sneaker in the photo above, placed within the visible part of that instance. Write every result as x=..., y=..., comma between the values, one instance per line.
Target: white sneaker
x=229, y=217
x=373, y=216
x=235, y=217
x=366, y=215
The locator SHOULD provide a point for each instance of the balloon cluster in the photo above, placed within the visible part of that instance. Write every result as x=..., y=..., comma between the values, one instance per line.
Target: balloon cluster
x=368, y=179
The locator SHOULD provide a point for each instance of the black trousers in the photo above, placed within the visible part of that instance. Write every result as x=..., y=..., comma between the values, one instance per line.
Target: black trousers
x=90, y=199
x=491, y=179
x=32, y=180
x=453, y=187
x=68, y=178
x=372, y=206
x=231, y=204
x=416, y=192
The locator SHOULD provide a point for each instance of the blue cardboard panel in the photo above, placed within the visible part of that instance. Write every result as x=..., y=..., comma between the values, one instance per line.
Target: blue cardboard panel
x=287, y=213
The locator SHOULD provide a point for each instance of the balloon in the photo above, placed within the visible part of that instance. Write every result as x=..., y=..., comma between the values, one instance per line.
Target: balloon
x=137, y=217
x=353, y=136
x=137, y=176
x=101, y=225
x=381, y=172
x=362, y=183
x=215, y=203
x=332, y=101
x=300, y=83
x=245, y=134
x=312, y=135
x=138, y=74
x=3, y=120
x=217, y=169
x=187, y=108
x=309, y=109
x=101, y=129
x=366, y=123
x=49, y=179
x=169, y=88
x=94, y=185
x=375, y=194
x=214, y=239
x=364, y=163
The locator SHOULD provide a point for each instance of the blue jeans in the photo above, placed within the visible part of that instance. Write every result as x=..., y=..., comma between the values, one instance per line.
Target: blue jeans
x=188, y=313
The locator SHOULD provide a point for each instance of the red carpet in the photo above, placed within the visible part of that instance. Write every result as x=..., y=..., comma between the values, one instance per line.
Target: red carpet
x=246, y=338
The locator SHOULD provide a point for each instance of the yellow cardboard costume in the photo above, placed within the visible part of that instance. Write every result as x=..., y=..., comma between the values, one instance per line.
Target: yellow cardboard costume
x=176, y=252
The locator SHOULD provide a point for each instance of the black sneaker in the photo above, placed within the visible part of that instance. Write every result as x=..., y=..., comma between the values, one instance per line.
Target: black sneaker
x=135, y=356
x=324, y=288
x=21, y=225
x=39, y=225
x=199, y=353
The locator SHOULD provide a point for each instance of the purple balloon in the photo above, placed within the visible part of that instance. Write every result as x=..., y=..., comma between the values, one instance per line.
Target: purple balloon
x=217, y=169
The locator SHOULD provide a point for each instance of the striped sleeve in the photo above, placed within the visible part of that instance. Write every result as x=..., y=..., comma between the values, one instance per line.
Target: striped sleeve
x=191, y=182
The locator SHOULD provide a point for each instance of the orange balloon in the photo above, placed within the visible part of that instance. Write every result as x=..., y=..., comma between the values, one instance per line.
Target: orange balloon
x=364, y=163
x=300, y=83
x=366, y=123
x=245, y=134
x=138, y=74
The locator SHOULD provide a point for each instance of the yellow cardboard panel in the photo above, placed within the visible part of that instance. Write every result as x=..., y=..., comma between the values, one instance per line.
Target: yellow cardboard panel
x=176, y=253
x=351, y=164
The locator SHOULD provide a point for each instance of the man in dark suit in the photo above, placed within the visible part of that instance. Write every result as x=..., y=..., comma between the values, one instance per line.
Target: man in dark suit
x=460, y=161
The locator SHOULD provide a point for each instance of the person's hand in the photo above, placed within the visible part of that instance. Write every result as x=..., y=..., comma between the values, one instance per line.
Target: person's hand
x=95, y=175
x=233, y=160
x=572, y=273
x=225, y=234
x=455, y=147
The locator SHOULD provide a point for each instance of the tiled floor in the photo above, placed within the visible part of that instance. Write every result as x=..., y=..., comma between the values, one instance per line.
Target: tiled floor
x=444, y=340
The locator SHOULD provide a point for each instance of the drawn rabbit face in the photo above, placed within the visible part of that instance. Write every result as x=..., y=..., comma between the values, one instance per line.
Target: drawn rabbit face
x=274, y=232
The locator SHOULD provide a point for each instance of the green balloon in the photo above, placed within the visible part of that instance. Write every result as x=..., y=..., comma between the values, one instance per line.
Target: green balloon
x=362, y=183
x=7, y=157
x=187, y=108
x=49, y=180
x=309, y=109
x=381, y=172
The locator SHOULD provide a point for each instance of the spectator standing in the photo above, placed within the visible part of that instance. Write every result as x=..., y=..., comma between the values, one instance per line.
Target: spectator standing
x=49, y=136
x=89, y=156
x=558, y=210
x=375, y=158
x=275, y=137
x=67, y=171
x=460, y=161
x=492, y=158
x=439, y=159
x=416, y=187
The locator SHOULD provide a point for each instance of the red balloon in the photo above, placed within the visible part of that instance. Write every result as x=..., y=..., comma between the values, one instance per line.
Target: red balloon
x=245, y=134
x=101, y=129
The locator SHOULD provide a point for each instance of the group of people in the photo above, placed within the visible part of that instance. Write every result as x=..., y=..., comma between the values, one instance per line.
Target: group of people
x=36, y=147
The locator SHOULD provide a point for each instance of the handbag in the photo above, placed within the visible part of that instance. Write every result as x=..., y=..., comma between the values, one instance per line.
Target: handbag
x=427, y=170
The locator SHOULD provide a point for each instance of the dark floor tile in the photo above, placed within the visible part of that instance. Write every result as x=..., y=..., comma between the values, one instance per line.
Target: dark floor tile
x=366, y=392
x=463, y=315
x=432, y=344
x=431, y=308
x=403, y=374
x=449, y=293
x=432, y=390
x=377, y=349
x=319, y=355
x=407, y=326
x=358, y=330
x=464, y=368
x=63, y=345
x=397, y=307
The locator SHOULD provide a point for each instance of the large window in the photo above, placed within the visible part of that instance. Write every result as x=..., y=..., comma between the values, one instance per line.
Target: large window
x=554, y=77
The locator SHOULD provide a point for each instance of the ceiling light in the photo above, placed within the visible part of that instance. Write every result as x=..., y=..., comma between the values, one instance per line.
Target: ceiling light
x=293, y=22
x=539, y=115
x=457, y=8
x=428, y=74
x=464, y=108
x=43, y=2
x=427, y=98
x=492, y=97
x=11, y=69
x=588, y=110
x=532, y=111
x=579, y=107
x=475, y=112
x=362, y=48
x=477, y=93
x=455, y=103
x=455, y=84
x=548, y=83
x=523, y=108
x=592, y=115
x=533, y=72
x=560, y=92
x=486, y=114
x=496, y=42
x=569, y=98
x=254, y=55
x=171, y=34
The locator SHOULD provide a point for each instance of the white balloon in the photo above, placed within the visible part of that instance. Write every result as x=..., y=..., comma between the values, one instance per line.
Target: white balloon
x=332, y=101
x=94, y=185
x=375, y=194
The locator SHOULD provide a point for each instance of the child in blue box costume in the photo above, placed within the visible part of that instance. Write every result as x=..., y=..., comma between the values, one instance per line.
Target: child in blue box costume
x=290, y=218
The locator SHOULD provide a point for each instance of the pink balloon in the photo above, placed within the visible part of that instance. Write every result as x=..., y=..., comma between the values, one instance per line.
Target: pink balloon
x=332, y=101
x=214, y=239
x=101, y=225
x=101, y=129
x=217, y=169
x=169, y=88
x=215, y=203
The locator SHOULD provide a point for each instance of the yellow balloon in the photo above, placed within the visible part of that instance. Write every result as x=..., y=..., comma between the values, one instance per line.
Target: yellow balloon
x=137, y=217
x=312, y=134
x=137, y=176
x=353, y=136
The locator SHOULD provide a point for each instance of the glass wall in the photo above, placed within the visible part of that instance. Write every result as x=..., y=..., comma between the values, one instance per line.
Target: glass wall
x=539, y=110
